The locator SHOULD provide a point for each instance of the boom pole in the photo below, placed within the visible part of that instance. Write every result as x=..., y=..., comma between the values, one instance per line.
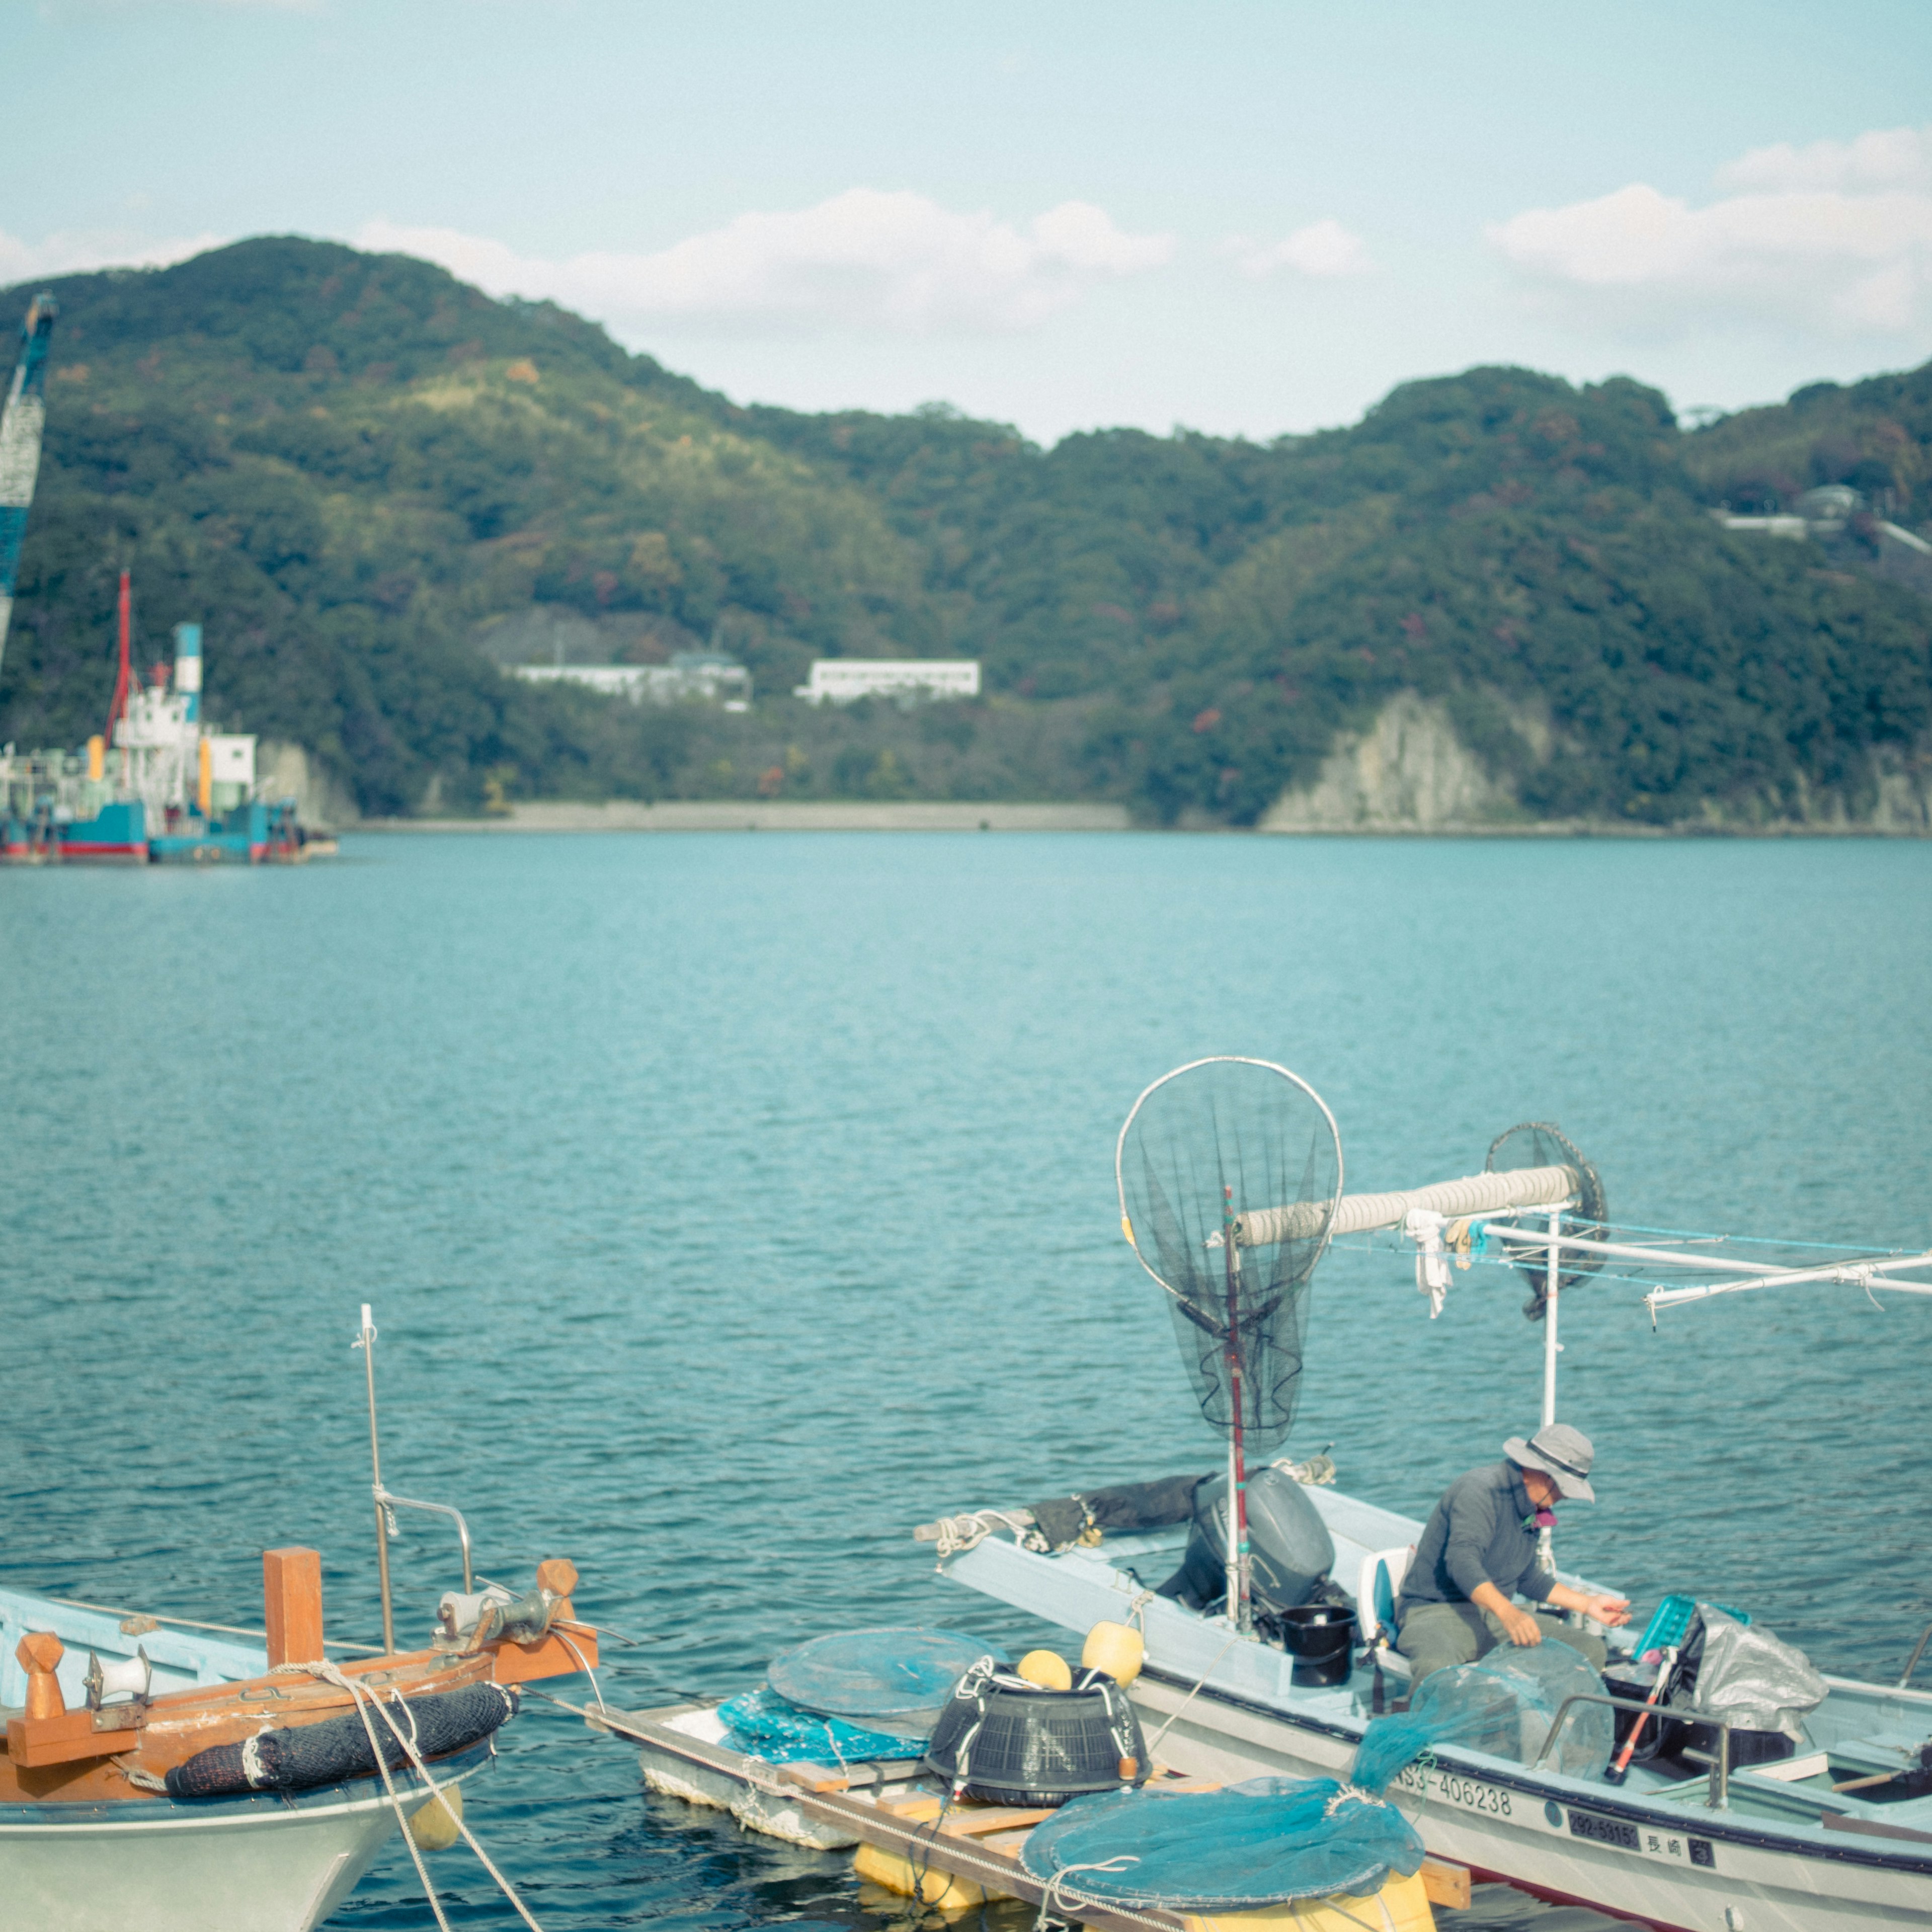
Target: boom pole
x=21, y=423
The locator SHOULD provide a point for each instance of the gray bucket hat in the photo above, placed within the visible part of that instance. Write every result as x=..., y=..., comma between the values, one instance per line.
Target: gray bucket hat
x=1559, y=1451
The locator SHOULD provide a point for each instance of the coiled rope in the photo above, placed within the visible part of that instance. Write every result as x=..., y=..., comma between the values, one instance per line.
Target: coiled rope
x=366, y=1702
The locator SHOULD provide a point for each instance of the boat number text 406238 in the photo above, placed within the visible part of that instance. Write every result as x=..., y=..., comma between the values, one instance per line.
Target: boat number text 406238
x=1465, y=1792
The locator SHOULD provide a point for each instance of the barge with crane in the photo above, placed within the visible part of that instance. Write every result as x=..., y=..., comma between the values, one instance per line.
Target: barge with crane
x=157, y=784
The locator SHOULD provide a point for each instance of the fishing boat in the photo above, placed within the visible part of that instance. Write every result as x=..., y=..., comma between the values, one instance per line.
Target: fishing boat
x=159, y=1774
x=1722, y=1827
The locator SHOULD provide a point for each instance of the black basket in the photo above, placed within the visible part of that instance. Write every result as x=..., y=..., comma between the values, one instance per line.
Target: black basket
x=1023, y=1745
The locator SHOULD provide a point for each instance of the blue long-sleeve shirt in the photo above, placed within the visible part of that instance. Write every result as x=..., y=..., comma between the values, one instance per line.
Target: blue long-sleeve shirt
x=1480, y=1532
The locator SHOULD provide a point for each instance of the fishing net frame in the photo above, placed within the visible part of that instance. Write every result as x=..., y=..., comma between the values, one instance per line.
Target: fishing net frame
x=1535, y=1144
x=1193, y=1138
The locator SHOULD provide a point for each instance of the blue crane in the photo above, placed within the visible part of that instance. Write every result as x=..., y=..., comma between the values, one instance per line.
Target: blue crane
x=20, y=425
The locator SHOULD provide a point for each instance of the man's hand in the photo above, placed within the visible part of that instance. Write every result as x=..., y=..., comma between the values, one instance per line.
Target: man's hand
x=1523, y=1629
x=1610, y=1611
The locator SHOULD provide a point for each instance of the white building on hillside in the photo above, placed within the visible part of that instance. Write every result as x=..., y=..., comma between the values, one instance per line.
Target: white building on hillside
x=702, y=675
x=841, y=680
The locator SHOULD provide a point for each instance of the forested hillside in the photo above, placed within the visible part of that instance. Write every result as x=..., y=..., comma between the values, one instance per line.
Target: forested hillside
x=356, y=471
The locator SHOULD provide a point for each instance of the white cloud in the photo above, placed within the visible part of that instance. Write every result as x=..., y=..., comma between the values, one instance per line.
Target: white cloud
x=69, y=253
x=1836, y=236
x=1323, y=249
x=897, y=262
x=1895, y=157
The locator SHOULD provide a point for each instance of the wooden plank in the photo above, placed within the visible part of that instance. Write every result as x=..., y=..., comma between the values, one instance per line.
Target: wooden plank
x=996, y=1871
x=973, y=1824
x=1445, y=1883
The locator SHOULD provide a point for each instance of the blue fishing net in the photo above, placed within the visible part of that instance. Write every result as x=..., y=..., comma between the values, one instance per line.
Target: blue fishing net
x=1503, y=1704
x=764, y=1723
x=1266, y=1842
x=893, y=1679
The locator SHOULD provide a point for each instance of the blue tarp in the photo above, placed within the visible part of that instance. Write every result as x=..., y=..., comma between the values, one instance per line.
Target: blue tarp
x=766, y=1725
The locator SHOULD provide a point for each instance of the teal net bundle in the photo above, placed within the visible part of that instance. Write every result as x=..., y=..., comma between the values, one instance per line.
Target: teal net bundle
x=1269, y=1841
x=765, y=1725
x=1503, y=1704
x=894, y=1678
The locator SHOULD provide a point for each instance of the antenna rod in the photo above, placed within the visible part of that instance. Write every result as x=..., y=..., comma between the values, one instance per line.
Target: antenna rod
x=1237, y=1473
x=366, y=1342
x=122, y=676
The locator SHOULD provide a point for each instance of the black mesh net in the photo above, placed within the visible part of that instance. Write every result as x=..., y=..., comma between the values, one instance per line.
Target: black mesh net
x=1216, y=1141
x=1537, y=1143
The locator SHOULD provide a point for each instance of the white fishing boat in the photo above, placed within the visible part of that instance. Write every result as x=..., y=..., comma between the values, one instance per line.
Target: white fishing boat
x=183, y=1777
x=1832, y=1833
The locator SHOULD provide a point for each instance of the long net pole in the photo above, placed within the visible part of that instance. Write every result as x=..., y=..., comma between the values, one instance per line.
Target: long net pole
x=1238, y=1612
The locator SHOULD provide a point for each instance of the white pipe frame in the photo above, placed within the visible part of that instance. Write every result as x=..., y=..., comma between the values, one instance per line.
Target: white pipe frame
x=1758, y=1274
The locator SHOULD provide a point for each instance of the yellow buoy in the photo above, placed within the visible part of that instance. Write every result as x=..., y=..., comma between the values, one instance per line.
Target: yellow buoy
x=1116, y=1648
x=879, y=1867
x=1401, y=1906
x=434, y=1829
x=1048, y=1669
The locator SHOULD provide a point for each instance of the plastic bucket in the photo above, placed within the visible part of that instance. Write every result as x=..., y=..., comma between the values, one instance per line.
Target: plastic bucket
x=1320, y=1638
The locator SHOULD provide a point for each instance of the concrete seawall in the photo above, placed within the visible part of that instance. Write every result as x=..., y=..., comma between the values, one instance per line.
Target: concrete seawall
x=760, y=815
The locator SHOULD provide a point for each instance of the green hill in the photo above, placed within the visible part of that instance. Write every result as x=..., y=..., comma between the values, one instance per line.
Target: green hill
x=359, y=471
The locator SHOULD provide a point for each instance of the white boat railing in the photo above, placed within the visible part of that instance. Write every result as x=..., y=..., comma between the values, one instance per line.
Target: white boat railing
x=1719, y=1798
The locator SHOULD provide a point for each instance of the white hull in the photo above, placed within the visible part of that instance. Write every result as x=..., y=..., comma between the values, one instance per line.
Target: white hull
x=267, y=1863
x=1500, y=1826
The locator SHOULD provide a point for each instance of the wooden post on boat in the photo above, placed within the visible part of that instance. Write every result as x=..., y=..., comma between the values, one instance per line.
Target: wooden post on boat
x=292, y=1595
x=38, y=1653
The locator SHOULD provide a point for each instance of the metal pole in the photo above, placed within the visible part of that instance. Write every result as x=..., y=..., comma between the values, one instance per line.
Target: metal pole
x=366, y=1342
x=1238, y=1613
x=1546, y=1553
x=1552, y=1347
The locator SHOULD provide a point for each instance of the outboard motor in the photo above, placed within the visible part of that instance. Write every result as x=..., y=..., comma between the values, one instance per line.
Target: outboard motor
x=1288, y=1544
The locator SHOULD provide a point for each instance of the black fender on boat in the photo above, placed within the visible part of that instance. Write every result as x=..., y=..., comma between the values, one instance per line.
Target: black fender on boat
x=302, y=1757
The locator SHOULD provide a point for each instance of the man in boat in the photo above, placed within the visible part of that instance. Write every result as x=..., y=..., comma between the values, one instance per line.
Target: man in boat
x=1479, y=1553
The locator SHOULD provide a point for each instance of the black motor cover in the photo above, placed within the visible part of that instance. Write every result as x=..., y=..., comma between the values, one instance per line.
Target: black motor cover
x=1288, y=1544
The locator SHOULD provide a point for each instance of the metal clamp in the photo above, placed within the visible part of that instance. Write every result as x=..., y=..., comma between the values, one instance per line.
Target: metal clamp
x=1720, y=1799
x=386, y=1499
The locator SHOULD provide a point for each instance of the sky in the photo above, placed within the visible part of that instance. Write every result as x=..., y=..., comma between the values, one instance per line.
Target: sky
x=1248, y=217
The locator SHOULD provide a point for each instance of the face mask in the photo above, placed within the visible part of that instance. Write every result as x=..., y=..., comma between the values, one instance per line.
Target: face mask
x=1542, y=1519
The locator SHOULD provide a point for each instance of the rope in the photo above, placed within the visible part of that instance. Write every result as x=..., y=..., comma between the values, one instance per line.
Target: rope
x=580, y=1664
x=1051, y=1898
x=1193, y=1694
x=956, y=1534
x=1137, y=1610
x=365, y=1701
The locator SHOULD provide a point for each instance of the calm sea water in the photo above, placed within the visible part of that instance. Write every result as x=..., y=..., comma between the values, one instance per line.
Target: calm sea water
x=729, y=1205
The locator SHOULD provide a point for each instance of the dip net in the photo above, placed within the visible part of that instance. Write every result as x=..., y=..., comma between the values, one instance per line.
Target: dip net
x=1503, y=1705
x=1536, y=1144
x=1229, y=1170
